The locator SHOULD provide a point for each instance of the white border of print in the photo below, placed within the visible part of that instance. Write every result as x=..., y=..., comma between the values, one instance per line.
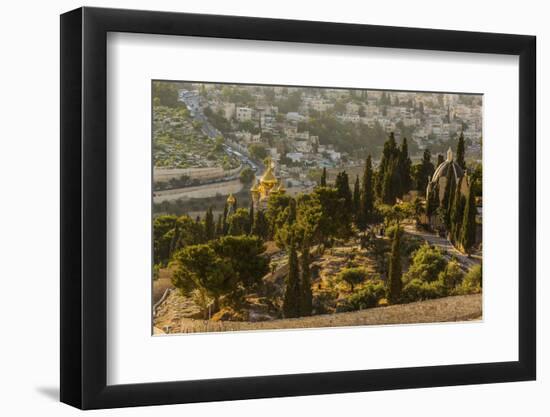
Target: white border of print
x=134, y=356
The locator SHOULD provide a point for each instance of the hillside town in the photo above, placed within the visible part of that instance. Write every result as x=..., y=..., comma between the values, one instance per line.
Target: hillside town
x=302, y=130
x=285, y=207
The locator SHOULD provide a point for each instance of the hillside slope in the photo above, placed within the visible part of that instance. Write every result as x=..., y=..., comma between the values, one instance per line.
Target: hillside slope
x=448, y=309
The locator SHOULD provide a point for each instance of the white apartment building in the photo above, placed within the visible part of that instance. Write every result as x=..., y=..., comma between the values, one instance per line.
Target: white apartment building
x=243, y=114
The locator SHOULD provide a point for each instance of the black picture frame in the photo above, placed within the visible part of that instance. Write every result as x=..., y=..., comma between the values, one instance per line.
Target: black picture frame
x=84, y=207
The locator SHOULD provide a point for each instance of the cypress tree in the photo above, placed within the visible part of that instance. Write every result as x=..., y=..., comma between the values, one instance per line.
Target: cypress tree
x=394, y=270
x=260, y=226
x=433, y=201
x=209, y=227
x=405, y=168
x=389, y=153
x=447, y=202
x=324, y=178
x=460, y=152
x=342, y=188
x=174, y=240
x=224, y=223
x=426, y=171
x=291, y=301
x=356, y=198
x=440, y=159
x=250, y=217
x=305, y=284
x=457, y=213
x=367, y=195
x=392, y=183
x=468, y=236
x=291, y=212
x=219, y=225
x=386, y=188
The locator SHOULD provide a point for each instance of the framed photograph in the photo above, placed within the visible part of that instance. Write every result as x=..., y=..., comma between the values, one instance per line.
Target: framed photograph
x=259, y=208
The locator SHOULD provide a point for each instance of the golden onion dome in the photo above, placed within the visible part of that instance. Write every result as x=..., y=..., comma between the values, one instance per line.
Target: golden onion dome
x=231, y=199
x=268, y=177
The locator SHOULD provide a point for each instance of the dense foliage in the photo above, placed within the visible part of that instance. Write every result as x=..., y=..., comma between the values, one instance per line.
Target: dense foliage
x=220, y=259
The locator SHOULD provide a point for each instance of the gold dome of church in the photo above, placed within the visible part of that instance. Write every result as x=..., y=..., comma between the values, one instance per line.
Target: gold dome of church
x=266, y=185
x=269, y=178
x=231, y=199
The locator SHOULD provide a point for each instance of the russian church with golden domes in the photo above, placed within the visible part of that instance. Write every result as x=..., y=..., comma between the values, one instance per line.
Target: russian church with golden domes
x=267, y=185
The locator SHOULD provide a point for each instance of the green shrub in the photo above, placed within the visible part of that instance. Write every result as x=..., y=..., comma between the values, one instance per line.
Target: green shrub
x=353, y=276
x=390, y=231
x=472, y=282
x=427, y=263
x=367, y=296
x=418, y=290
x=452, y=276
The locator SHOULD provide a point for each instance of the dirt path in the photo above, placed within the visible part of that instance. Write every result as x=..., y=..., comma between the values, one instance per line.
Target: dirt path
x=444, y=245
x=448, y=309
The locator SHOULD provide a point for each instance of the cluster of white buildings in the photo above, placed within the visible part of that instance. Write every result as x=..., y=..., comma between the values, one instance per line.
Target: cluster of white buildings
x=430, y=117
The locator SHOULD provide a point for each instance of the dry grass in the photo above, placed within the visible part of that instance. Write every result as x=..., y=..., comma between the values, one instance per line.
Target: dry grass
x=448, y=309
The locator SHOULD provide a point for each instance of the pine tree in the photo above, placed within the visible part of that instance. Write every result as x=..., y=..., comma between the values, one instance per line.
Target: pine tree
x=305, y=284
x=291, y=301
x=367, y=195
x=460, y=152
x=209, y=226
x=394, y=270
x=250, y=218
x=324, y=178
x=468, y=235
x=356, y=198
